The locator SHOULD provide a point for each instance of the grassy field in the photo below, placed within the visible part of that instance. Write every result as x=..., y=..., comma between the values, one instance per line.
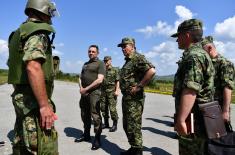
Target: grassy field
x=167, y=89
x=156, y=86
x=3, y=76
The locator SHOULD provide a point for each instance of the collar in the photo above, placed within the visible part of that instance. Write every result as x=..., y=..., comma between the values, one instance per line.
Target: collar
x=131, y=55
x=93, y=60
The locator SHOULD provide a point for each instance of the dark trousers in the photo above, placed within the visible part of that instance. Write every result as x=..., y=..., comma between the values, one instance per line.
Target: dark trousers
x=90, y=108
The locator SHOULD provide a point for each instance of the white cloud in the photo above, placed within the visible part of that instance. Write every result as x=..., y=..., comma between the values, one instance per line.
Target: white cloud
x=56, y=52
x=226, y=48
x=3, y=53
x=165, y=47
x=226, y=29
x=163, y=28
x=3, y=46
x=105, y=49
x=72, y=66
x=164, y=56
x=183, y=12
x=59, y=45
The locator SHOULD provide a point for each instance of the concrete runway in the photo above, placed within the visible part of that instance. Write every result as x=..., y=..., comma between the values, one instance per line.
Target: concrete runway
x=158, y=135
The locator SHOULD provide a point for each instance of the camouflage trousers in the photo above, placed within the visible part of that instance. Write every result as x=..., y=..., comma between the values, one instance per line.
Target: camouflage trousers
x=108, y=102
x=29, y=138
x=192, y=146
x=90, y=108
x=132, y=109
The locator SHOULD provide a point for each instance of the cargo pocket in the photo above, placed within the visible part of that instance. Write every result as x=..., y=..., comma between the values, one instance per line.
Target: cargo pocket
x=47, y=142
x=30, y=133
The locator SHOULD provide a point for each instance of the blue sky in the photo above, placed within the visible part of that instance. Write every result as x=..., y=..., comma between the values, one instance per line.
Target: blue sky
x=106, y=22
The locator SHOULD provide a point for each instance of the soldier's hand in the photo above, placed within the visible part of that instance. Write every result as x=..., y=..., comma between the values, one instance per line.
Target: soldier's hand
x=181, y=128
x=226, y=116
x=47, y=117
x=134, y=90
x=83, y=91
x=116, y=93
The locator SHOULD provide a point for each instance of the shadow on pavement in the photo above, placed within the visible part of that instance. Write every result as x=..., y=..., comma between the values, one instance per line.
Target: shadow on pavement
x=73, y=132
x=172, y=117
x=160, y=132
x=167, y=123
x=10, y=135
x=109, y=147
x=156, y=151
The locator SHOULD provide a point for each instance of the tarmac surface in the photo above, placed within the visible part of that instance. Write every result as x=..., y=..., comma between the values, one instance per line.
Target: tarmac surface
x=158, y=134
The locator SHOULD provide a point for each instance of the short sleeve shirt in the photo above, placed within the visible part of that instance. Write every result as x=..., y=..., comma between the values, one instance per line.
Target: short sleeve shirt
x=224, y=75
x=90, y=71
x=195, y=71
x=133, y=71
x=35, y=47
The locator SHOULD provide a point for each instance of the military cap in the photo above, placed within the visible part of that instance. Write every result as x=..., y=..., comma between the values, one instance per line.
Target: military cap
x=126, y=40
x=188, y=25
x=106, y=58
x=207, y=40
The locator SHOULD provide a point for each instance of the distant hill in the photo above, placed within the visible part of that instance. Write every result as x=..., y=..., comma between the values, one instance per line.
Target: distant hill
x=165, y=77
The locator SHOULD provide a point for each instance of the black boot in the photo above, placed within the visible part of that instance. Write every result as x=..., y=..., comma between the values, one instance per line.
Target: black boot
x=85, y=137
x=106, y=123
x=133, y=151
x=128, y=152
x=114, y=127
x=138, y=151
x=96, y=143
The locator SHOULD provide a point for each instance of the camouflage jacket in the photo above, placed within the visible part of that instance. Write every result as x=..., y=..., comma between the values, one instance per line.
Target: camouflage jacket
x=111, y=77
x=133, y=71
x=224, y=76
x=195, y=71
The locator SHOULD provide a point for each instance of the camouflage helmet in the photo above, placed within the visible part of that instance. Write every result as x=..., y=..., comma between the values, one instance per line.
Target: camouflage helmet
x=44, y=6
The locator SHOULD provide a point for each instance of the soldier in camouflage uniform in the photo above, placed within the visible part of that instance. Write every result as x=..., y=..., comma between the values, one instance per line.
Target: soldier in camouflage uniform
x=224, y=77
x=56, y=64
x=31, y=73
x=109, y=93
x=92, y=76
x=193, y=85
x=134, y=75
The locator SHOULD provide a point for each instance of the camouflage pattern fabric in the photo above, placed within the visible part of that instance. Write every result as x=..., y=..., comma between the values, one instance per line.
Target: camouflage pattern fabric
x=224, y=76
x=27, y=137
x=27, y=111
x=35, y=47
x=195, y=71
x=192, y=146
x=108, y=101
x=131, y=74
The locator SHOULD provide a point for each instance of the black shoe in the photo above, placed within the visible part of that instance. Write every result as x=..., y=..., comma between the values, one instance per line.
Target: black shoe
x=106, y=124
x=128, y=152
x=96, y=144
x=133, y=151
x=138, y=151
x=84, y=138
x=114, y=127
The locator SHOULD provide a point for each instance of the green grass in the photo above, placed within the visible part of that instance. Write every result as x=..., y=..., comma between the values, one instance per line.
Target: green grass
x=3, y=76
x=167, y=89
